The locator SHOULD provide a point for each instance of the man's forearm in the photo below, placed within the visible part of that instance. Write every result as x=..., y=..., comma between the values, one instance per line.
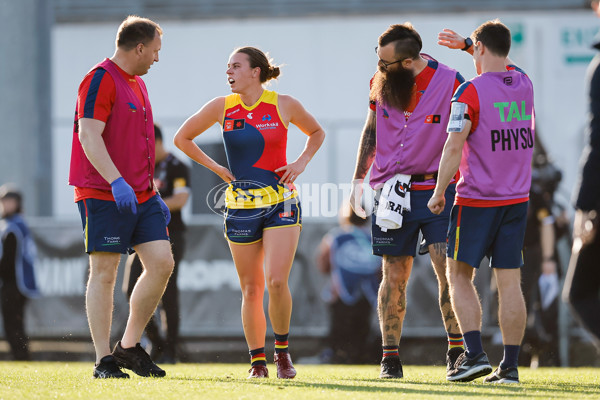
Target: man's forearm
x=90, y=137
x=547, y=240
x=366, y=148
x=96, y=152
x=451, y=156
x=449, y=164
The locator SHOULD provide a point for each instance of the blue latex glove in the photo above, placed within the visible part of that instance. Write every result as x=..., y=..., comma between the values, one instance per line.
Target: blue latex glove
x=124, y=196
x=165, y=209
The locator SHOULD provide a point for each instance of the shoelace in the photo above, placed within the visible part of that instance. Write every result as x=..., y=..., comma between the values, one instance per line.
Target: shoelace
x=460, y=359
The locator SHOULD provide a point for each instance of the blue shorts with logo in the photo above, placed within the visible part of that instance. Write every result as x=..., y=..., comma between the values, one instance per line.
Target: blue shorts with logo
x=495, y=232
x=245, y=226
x=403, y=241
x=105, y=229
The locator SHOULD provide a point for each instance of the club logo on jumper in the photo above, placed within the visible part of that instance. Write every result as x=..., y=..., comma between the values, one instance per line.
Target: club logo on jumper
x=132, y=107
x=266, y=117
x=249, y=116
x=385, y=114
x=232, y=112
x=433, y=119
x=508, y=80
x=233, y=125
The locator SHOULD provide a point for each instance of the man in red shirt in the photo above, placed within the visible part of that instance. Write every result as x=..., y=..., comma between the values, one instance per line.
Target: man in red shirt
x=112, y=167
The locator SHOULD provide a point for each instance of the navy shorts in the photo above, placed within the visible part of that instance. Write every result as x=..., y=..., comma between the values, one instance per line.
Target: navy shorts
x=245, y=226
x=495, y=232
x=106, y=229
x=403, y=241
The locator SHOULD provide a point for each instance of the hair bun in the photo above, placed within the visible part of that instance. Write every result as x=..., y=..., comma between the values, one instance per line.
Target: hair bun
x=273, y=72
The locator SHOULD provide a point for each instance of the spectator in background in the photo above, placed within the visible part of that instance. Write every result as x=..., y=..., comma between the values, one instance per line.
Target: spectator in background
x=540, y=280
x=345, y=254
x=171, y=178
x=582, y=283
x=17, y=275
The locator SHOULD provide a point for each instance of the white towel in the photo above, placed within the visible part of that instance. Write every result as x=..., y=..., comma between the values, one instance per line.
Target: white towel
x=393, y=201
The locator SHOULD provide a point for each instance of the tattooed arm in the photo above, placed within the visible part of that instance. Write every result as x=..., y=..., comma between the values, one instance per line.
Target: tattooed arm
x=364, y=159
x=366, y=147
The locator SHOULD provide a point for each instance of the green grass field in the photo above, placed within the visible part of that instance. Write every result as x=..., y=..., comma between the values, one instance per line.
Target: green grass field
x=65, y=380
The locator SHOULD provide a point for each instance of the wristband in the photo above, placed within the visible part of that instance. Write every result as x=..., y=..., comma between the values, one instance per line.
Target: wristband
x=468, y=44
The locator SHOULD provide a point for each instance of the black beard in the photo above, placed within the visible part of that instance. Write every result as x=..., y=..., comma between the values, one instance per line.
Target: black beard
x=393, y=88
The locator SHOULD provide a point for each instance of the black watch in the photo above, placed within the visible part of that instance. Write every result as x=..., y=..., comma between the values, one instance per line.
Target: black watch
x=468, y=44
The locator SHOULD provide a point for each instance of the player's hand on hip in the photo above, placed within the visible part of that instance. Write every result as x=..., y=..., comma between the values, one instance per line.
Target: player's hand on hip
x=124, y=196
x=436, y=204
x=165, y=209
x=451, y=39
x=225, y=174
x=290, y=172
x=356, y=194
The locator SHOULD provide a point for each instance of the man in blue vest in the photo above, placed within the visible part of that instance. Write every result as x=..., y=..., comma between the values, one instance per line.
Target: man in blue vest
x=17, y=279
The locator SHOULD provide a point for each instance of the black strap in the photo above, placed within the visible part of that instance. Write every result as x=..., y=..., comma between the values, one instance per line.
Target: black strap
x=468, y=44
x=421, y=178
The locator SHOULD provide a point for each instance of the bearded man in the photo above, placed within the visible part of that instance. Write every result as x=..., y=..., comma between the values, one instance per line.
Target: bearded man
x=403, y=139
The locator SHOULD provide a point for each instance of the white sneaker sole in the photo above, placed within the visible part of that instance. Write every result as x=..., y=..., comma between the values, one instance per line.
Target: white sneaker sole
x=504, y=381
x=470, y=374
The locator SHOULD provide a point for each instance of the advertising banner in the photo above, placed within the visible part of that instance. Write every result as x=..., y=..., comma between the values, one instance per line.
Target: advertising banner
x=210, y=295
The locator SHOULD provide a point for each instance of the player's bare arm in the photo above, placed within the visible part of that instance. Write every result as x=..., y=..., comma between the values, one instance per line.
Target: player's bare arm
x=294, y=112
x=210, y=114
